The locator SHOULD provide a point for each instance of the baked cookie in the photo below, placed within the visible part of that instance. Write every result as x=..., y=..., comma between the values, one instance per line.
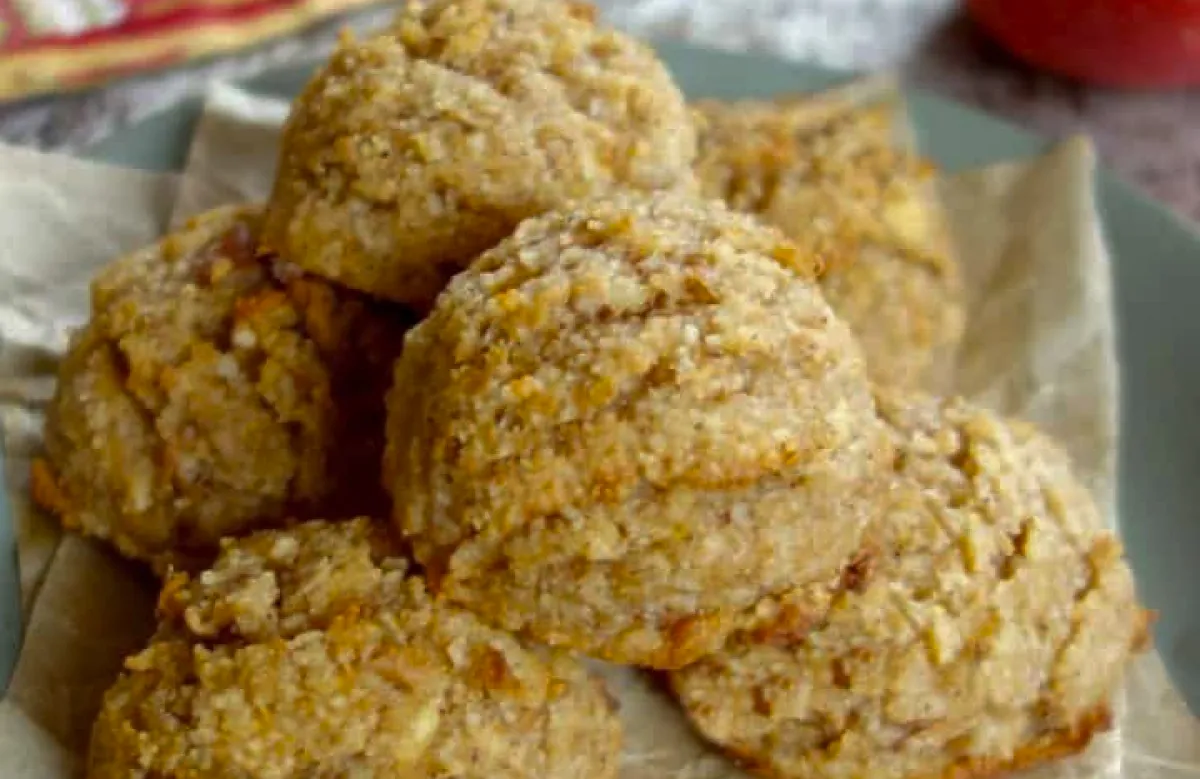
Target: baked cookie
x=412, y=152
x=833, y=177
x=989, y=635
x=631, y=426
x=214, y=391
x=311, y=652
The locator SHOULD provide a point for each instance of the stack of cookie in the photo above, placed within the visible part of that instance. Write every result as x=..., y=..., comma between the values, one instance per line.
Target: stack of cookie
x=528, y=361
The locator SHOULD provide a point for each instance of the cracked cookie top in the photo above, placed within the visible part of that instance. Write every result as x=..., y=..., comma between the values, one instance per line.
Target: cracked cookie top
x=215, y=390
x=993, y=625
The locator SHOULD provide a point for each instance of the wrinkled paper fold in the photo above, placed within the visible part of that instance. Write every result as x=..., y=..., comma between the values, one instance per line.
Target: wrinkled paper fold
x=1040, y=345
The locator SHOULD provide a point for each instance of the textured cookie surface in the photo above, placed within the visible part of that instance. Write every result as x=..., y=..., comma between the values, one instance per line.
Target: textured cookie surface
x=311, y=652
x=629, y=426
x=411, y=152
x=989, y=633
x=214, y=391
x=834, y=179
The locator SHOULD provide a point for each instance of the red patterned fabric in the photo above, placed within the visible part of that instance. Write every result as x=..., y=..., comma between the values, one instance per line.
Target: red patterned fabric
x=59, y=45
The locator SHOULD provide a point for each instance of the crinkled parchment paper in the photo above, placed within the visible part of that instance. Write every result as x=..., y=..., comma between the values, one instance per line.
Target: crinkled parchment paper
x=1040, y=345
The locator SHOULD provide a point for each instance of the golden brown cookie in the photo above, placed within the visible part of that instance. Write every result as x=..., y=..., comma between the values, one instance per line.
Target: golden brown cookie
x=214, y=391
x=411, y=152
x=834, y=178
x=312, y=652
x=631, y=426
x=989, y=633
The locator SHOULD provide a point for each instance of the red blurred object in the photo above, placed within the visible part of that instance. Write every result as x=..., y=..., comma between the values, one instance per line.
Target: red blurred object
x=1121, y=43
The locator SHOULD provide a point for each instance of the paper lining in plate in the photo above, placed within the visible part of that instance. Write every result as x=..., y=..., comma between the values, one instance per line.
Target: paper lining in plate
x=1040, y=345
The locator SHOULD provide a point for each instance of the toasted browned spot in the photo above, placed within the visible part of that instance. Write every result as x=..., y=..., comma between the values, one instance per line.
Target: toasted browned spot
x=45, y=490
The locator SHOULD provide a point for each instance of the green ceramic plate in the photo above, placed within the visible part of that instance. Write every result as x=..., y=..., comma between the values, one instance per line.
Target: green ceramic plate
x=1157, y=275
